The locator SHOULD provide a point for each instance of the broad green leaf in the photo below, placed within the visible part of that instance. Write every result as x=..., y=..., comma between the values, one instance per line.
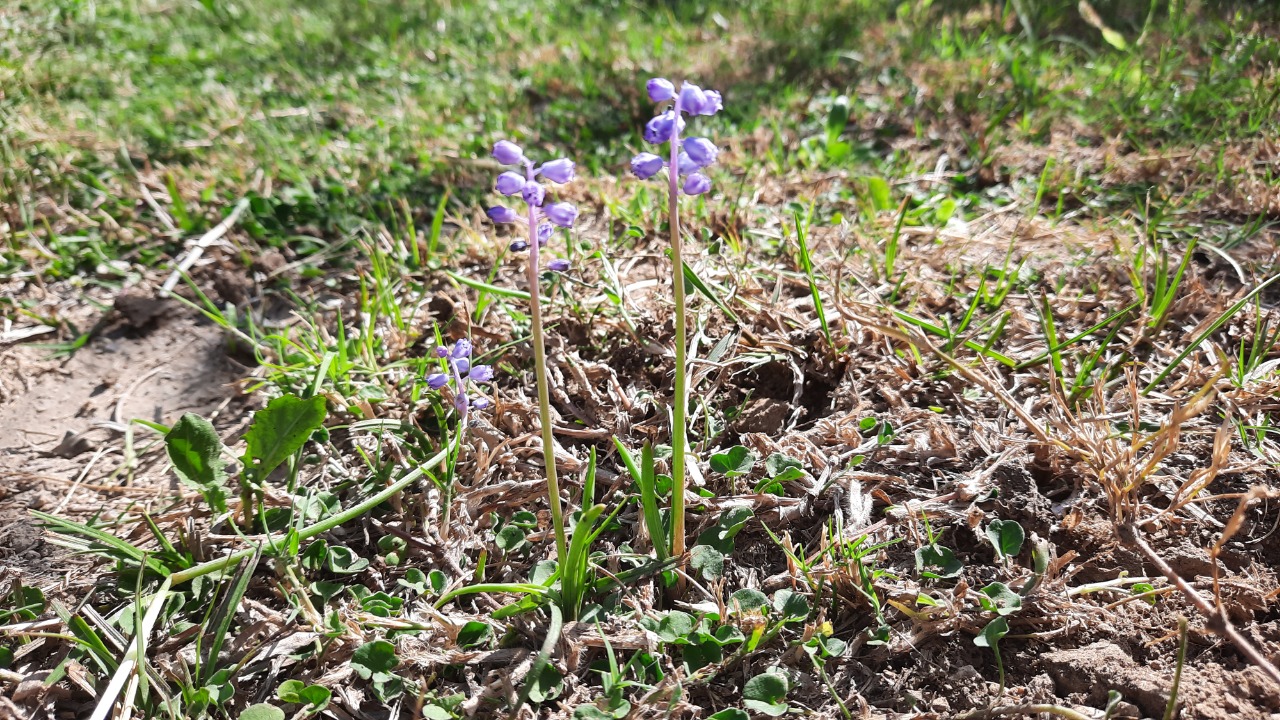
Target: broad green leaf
x=792, y=606
x=546, y=685
x=473, y=633
x=590, y=712
x=344, y=560
x=747, y=599
x=373, y=658
x=766, y=693
x=991, y=634
x=196, y=453
x=675, y=626
x=999, y=599
x=730, y=714
x=735, y=462
x=942, y=561
x=879, y=190
x=1007, y=537
x=708, y=561
x=279, y=430
x=262, y=711
x=837, y=119
x=778, y=464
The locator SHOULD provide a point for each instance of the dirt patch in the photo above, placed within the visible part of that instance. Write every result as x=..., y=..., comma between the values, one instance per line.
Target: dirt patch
x=63, y=445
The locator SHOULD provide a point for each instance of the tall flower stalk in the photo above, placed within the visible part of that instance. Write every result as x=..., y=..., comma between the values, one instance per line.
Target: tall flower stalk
x=686, y=158
x=561, y=214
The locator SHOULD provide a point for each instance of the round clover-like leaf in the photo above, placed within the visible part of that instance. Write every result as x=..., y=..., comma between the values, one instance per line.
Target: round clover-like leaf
x=373, y=658
x=734, y=462
x=261, y=711
x=766, y=693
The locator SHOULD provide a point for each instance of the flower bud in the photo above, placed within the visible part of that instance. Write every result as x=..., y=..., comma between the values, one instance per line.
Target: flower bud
x=712, y=103
x=533, y=193
x=660, y=89
x=545, y=230
x=435, y=381
x=687, y=164
x=692, y=99
x=508, y=153
x=562, y=214
x=460, y=401
x=480, y=403
x=461, y=349
x=558, y=265
x=481, y=374
x=518, y=246
x=646, y=165
x=702, y=150
x=442, y=351
x=558, y=171
x=696, y=184
x=462, y=365
x=510, y=183
x=659, y=129
x=500, y=214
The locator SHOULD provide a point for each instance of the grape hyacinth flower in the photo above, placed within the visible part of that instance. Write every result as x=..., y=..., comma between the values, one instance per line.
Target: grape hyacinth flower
x=462, y=376
x=685, y=161
x=543, y=219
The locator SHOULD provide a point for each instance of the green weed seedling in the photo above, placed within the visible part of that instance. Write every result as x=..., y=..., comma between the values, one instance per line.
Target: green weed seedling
x=767, y=694
x=1006, y=537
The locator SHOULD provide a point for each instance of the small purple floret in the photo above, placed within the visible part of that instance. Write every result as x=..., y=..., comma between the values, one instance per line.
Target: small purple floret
x=558, y=171
x=461, y=349
x=508, y=153
x=702, y=150
x=533, y=193
x=558, y=265
x=501, y=214
x=510, y=183
x=696, y=184
x=481, y=374
x=562, y=214
x=435, y=381
x=646, y=165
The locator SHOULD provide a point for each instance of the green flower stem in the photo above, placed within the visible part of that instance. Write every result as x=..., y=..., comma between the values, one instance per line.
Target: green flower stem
x=678, y=438
x=544, y=394
x=313, y=530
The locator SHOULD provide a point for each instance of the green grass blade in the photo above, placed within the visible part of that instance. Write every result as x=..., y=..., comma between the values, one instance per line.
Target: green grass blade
x=806, y=263
x=1222, y=320
x=486, y=287
x=224, y=615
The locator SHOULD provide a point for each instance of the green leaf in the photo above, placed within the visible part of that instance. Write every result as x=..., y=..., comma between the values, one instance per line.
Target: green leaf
x=280, y=429
x=766, y=693
x=1140, y=588
x=262, y=711
x=315, y=697
x=343, y=560
x=546, y=685
x=837, y=119
x=729, y=714
x=731, y=521
x=941, y=559
x=510, y=538
x=1007, y=537
x=792, y=606
x=196, y=453
x=748, y=599
x=991, y=634
x=999, y=599
x=373, y=658
x=879, y=190
x=590, y=712
x=675, y=626
x=735, y=462
x=778, y=464
x=708, y=561
x=473, y=633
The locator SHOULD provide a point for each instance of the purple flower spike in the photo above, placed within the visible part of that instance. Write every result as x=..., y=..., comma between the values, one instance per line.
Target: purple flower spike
x=562, y=214
x=518, y=246
x=659, y=129
x=692, y=99
x=500, y=214
x=660, y=89
x=696, y=184
x=545, y=231
x=508, y=153
x=435, y=381
x=481, y=374
x=646, y=165
x=461, y=349
x=558, y=265
x=688, y=165
x=533, y=193
x=510, y=183
x=558, y=171
x=702, y=150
